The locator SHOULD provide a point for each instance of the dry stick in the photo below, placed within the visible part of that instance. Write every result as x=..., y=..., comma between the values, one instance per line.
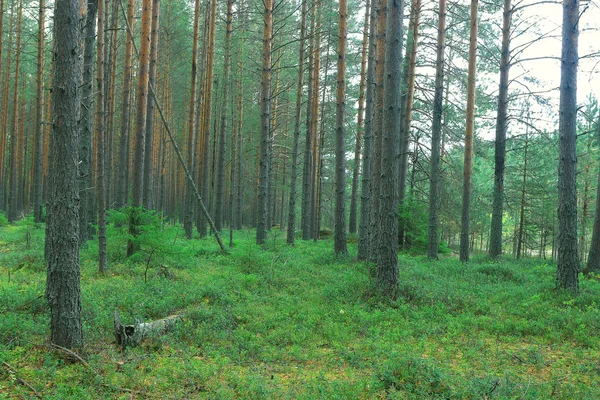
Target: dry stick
x=71, y=353
x=22, y=381
x=177, y=151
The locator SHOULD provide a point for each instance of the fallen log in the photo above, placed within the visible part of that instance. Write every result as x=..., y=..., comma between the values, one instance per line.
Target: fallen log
x=132, y=335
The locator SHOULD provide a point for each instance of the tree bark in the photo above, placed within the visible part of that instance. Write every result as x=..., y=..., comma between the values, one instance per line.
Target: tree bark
x=500, y=144
x=148, y=159
x=340, y=246
x=387, y=261
x=122, y=187
x=140, y=126
x=220, y=187
x=13, y=203
x=468, y=160
x=365, y=195
x=375, y=218
x=433, y=239
x=291, y=228
x=567, y=273
x=360, y=123
x=593, y=261
x=62, y=228
x=39, y=115
x=265, y=125
x=100, y=132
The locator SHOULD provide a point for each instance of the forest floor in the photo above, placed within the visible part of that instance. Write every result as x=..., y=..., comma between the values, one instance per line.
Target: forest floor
x=284, y=322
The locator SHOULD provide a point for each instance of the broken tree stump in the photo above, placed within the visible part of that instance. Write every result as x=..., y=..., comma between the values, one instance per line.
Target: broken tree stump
x=132, y=335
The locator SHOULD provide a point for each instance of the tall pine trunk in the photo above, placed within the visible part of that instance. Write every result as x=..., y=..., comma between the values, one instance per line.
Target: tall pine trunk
x=567, y=273
x=365, y=194
x=291, y=228
x=100, y=145
x=39, y=115
x=500, y=144
x=359, y=124
x=140, y=127
x=220, y=186
x=593, y=261
x=265, y=125
x=123, y=178
x=149, y=151
x=468, y=160
x=62, y=228
x=13, y=203
x=340, y=246
x=436, y=136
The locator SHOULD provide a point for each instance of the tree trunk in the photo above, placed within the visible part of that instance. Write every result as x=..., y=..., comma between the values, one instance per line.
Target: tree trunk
x=593, y=261
x=122, y=187
x=140, y=126
x=100, y=131
x=375, y=218
x=468, y=161
x=39, y=114
x=206, y=115
x=567, y=274
x=265, y=125
x=13, y=203
x=501, y=127
x=5, y=109
x=308, y=161
x=291, y=228
x=359, y=123
x=408, y=77
x=188, y=222
x=62, y=228
x=523, y=188
x=340, y=246
x=220, y=187
x=365, y=195
x=387, y=261
x=433, y=239
x=148, y=159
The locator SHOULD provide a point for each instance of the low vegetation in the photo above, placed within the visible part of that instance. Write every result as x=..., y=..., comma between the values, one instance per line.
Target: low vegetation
x=284, y=322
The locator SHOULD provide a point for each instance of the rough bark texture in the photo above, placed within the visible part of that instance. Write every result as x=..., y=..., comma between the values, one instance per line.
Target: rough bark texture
x=13, y=198
x=308, y=161
x=468, y=161
x=500, y=144
x=567, y=273
x=593, y=261
x=360, y=123
x=436, y=136
x=265, y=125
x=387, y=262
x=375, y=217
x=100, y=143
x=291, y=228
x=222, y=153
x=123, y=180
x=408, y=80
x=39, y=116
x=340, y=246
x=148, y=165
x=62, y=228
x=140, y=125
x=188, y=221
x=365, y=194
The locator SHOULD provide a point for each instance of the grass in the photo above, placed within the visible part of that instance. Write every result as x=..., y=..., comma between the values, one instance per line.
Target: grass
x=286, y=322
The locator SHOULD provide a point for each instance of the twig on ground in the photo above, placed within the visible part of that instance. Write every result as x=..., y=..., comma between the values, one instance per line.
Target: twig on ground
x=21, y=380
x=71, y=353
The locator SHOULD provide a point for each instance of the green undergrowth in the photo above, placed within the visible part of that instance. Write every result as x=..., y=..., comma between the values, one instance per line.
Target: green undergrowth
x=281, y=322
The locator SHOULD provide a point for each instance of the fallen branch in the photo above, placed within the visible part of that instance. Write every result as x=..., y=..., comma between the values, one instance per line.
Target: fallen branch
x=132, y=335
x=70, y=353
x=21, y=380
